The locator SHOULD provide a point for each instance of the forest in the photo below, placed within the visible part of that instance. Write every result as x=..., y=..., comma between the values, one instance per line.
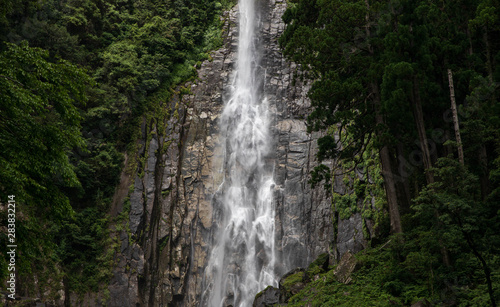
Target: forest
x=410, y=87
x=413, y=85
x=76, y=77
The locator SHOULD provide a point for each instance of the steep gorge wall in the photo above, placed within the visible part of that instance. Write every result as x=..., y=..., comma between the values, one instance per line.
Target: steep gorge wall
x=165, y=242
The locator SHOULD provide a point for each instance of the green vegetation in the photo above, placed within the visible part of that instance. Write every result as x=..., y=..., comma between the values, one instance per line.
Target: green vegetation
x=78, y=76
x=381, y=74
x=402, y=272
x=380, y=281
x=318, y=266
x=76, y=79
x=292, y=280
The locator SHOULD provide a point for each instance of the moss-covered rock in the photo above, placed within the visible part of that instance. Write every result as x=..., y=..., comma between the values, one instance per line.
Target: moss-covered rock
x=267, y=297
x=318, y=266
x=347, y=265
x=291, y=284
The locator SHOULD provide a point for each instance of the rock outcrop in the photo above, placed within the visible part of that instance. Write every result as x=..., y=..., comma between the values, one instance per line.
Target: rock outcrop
x=301, y=280
x=165, y=237
x=345, y=268
x=268, y=297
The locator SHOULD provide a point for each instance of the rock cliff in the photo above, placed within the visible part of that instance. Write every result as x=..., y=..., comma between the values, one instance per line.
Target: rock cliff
x=169, y=210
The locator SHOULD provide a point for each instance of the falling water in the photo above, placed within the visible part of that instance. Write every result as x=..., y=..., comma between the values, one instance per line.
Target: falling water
x=242, y=258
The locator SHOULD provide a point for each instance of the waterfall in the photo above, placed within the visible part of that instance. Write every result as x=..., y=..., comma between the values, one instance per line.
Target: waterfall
x=242, y=256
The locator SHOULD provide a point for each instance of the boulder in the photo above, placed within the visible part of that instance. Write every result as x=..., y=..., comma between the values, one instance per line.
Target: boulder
x=267, y=297
x=347, y=265
x=318, y=266
x=291, y=283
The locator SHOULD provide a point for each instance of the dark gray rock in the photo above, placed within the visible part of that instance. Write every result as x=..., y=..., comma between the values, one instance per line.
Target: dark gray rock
x=267, y=297
x=136, y=205
x=350, y=235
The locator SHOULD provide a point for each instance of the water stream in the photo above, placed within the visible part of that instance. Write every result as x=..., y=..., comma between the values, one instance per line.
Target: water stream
x=242, y=257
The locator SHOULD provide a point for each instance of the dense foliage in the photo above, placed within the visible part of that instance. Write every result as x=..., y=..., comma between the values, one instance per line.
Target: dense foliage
x=381, y=74
x=76, y=75
x=75, y=78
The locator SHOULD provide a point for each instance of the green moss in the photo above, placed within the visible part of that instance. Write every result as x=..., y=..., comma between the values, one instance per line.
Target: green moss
x=317, y=266
x=395, y=273
x=176, y=111
x=365, y=290
x=292, y=280
x=163, y=243
x=314, y=271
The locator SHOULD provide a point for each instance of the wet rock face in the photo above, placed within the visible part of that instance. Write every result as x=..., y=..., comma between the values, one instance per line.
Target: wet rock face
x=303, y=215
x=164, y=242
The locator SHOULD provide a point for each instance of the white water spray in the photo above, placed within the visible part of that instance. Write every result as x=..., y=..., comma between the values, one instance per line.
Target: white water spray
x=242, y=258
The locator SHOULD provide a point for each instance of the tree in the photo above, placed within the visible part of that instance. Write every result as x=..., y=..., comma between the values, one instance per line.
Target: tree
x=465, y=222
x=39, y=127
x=380, y=68
x=336, y=43
x=39, y=124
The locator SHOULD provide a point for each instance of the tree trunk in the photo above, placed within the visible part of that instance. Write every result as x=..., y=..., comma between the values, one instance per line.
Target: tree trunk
x=486, y=268
x=67, y=292
x=470, y=41
x=485, y=180
x=385, y=158
x=387, y=173
x=419, y=121
x=404, y=186
x=489, y=65
x=455, y=118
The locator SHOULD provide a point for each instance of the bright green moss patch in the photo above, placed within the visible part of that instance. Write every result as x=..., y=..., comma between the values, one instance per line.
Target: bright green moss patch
x=293, y=280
